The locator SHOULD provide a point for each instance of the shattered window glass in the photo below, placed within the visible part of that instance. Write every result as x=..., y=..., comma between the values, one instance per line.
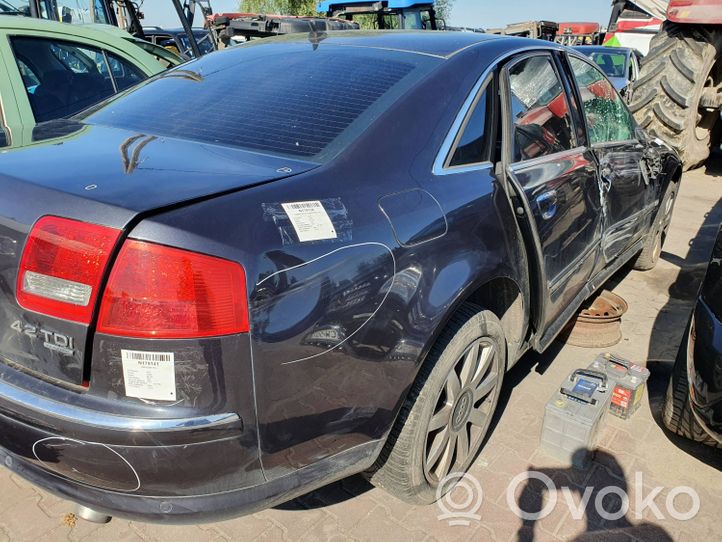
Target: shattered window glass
x=608, y=119
x=540, y=112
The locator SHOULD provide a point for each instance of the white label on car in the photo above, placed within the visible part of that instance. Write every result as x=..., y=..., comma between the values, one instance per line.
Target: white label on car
x=310, y=220
x=149, y=375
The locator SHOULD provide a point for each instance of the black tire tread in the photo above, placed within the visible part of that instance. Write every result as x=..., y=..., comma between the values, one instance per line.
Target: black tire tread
x=647, y=260
x=677, y=415
x=390, y=472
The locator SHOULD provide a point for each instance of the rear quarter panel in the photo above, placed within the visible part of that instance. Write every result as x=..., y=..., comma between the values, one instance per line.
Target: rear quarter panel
x=340, y=327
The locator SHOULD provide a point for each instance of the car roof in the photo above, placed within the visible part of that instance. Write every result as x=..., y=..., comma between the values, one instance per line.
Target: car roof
x=104, y=35
x=602, y=49
x=441, y=44
x=101, y=32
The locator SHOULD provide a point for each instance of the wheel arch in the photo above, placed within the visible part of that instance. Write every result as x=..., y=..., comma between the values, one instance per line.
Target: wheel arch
x=503, y=296
x=506, y=298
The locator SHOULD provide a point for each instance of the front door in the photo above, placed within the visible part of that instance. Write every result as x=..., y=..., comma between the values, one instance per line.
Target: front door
x=619, y=154
x=556, y=179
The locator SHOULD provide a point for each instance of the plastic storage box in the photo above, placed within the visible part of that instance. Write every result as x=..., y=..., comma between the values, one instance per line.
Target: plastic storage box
x=628, y=381
x=573, y=416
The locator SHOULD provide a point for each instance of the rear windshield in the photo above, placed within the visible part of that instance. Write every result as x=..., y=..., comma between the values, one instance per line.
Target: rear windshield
x=288, y=98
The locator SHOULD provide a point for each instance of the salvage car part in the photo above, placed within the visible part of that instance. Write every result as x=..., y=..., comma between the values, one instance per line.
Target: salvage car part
x=263, y=293
x=598, y=324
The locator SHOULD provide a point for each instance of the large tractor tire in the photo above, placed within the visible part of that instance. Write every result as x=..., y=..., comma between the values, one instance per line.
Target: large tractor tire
x=681, y=68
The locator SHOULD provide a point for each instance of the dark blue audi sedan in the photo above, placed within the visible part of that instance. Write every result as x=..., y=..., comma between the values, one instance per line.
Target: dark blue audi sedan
x=304, y=258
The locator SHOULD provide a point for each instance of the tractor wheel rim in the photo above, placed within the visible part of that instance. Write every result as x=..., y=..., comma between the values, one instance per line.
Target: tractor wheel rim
x=463, y=411
x=706, y=119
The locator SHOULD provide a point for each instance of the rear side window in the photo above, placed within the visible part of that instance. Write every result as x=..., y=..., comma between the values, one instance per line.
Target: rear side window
x=608, y=119
x=539, y=108
x=471, y=145
x=283, y=98
x=62, y=78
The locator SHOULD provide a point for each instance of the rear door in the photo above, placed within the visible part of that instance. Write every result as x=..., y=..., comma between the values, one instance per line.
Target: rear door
x=611, y=133
x=555, y=178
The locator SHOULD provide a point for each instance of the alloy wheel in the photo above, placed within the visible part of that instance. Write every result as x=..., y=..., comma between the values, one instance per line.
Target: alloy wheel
x=463, y=411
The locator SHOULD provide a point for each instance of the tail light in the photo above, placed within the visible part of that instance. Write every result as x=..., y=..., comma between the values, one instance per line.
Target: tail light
x=62, y=266
x=155, y=291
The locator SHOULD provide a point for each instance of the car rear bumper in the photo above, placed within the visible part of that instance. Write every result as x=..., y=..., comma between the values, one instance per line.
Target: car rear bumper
x=164, y=470
x=196, y=508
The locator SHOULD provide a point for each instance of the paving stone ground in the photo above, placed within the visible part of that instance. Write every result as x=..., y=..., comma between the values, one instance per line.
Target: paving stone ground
x=637, y=456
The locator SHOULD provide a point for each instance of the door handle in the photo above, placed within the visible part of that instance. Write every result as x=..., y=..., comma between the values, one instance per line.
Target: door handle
x=547, y=204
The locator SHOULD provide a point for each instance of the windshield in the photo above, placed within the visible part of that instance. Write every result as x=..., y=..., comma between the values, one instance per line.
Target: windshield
x=415, y=19
x=612, y=64
x=282, y=97
x=204, y=43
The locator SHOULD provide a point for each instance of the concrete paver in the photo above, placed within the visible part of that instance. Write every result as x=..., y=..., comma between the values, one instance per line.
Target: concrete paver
x=635, y=455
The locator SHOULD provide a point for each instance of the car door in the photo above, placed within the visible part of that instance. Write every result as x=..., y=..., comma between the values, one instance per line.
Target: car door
x=60, y=77
x=11, y=124
x=555, y=180
x=612, y=137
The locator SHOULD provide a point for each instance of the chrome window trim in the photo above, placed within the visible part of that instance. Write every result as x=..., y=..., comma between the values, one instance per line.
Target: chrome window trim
x=561, y=155
x=439, y=168
x=102, y=420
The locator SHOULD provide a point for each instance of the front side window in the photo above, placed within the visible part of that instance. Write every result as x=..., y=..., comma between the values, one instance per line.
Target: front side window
x=608, y=119
x=203, y=40
x=542, y=124
x=74, y=11
x=62, y=78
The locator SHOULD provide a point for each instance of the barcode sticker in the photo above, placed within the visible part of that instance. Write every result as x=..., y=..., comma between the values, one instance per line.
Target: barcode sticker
x=310, y=220
x=149, y=375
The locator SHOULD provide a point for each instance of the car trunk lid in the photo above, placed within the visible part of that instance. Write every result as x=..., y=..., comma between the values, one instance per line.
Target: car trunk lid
x=126, y=177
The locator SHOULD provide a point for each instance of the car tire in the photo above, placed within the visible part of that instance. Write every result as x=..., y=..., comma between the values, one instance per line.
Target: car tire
x=446, y=416
x=649, y=256
x=677, y=414
x=681, y=63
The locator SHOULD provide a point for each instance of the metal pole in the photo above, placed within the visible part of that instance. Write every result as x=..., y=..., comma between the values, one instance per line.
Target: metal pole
x=136, y=27
x=187, y=28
